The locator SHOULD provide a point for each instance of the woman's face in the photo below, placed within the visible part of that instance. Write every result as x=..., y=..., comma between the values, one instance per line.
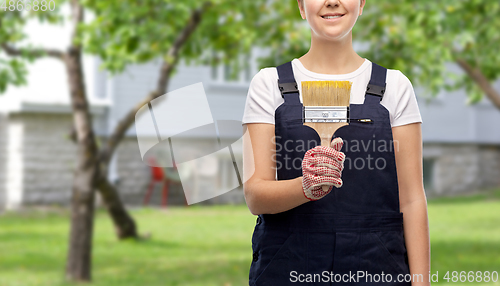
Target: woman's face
x=345, y=14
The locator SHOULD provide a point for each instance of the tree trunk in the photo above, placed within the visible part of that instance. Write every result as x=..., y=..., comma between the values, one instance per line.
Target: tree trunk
x=125, y=226
x=79, y=261
x=78, y=267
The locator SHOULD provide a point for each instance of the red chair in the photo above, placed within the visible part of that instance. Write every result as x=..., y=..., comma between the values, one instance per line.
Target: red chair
x=158, y=176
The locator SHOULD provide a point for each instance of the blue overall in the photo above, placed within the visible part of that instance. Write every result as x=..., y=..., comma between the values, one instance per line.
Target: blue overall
x=353, y=232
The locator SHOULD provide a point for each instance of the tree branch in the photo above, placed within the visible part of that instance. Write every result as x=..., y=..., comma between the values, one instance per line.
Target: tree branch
x=77, y=18
x=478, y=77
x=125, y=226
x=173, y=54
x=37, y=53
x=168, y=65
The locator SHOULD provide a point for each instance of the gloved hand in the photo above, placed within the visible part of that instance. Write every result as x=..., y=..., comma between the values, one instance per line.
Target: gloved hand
x=322, y=166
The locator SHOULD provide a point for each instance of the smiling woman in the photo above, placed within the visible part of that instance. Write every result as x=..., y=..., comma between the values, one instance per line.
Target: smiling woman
x=340, y=21
x=358, y=225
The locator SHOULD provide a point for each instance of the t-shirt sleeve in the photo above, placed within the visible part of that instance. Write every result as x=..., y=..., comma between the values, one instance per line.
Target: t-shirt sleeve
x=407, y=110
x=259, y=105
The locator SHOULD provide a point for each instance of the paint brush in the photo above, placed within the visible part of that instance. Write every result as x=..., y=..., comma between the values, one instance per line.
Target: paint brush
x=326, y=107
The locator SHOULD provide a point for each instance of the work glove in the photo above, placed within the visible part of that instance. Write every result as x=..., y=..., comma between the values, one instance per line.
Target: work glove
x=322, y=166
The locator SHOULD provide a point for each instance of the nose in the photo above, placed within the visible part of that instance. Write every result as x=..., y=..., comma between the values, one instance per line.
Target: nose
x=332, y=3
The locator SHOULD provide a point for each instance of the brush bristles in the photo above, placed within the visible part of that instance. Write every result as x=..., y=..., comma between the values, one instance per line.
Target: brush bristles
x=326, y=93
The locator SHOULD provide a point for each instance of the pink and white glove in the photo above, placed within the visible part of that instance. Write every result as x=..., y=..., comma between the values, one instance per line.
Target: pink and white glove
x=322, y=166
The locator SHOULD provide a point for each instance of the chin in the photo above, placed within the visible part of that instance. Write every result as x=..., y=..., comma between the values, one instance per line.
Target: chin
x=333, y=37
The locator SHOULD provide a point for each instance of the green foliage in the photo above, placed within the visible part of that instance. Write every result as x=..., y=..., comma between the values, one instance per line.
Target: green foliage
x=12, y=23
x=126, y=32
x=285, y=34
x=421, y=37
x=11, y=71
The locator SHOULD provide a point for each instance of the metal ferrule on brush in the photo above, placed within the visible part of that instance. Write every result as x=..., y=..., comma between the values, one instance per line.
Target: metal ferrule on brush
x=325, y=114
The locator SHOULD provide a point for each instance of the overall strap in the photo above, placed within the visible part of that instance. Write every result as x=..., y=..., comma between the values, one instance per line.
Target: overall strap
x=287, y=84
x=376, y=87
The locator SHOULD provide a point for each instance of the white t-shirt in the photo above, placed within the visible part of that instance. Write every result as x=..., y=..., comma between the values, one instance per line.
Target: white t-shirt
x=264, y=96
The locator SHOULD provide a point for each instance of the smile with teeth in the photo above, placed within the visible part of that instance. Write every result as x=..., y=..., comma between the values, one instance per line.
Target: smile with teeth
x=332, y=17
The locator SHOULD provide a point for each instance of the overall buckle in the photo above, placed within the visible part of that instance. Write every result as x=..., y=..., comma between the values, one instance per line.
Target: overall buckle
x=287, y=87
x=375, y=90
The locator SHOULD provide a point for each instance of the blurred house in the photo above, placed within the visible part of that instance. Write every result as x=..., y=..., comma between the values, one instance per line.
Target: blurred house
x=461, y=147
x=461, y=143
x=37, y=157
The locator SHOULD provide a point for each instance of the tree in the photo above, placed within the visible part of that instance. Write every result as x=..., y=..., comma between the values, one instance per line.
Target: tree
x=91, y=171
x=420, y=37
x=125, y=32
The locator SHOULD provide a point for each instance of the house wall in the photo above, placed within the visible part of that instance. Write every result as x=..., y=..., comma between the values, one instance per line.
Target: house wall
x=39, y=170
x=49, y=157
x=461, y=168
x=37, y=158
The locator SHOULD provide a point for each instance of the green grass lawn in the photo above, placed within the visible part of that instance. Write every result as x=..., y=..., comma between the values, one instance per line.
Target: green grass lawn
x=212, y=245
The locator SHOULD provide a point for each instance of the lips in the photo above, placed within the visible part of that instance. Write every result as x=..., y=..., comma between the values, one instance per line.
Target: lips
x=332, y=14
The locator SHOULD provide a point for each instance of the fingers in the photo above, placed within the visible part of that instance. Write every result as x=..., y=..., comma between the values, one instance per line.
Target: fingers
x=325, y=171
x=327, y=181
x=337, y=182
x=337, y=143
x=326, y=151
x=327, y=162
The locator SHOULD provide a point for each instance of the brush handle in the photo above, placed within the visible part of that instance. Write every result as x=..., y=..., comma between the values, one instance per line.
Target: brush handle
x=325, y=131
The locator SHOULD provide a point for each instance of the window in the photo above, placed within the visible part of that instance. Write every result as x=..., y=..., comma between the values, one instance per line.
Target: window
x=223, y=71
x=214, y=72
x=227, y=72
x=247, y=72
